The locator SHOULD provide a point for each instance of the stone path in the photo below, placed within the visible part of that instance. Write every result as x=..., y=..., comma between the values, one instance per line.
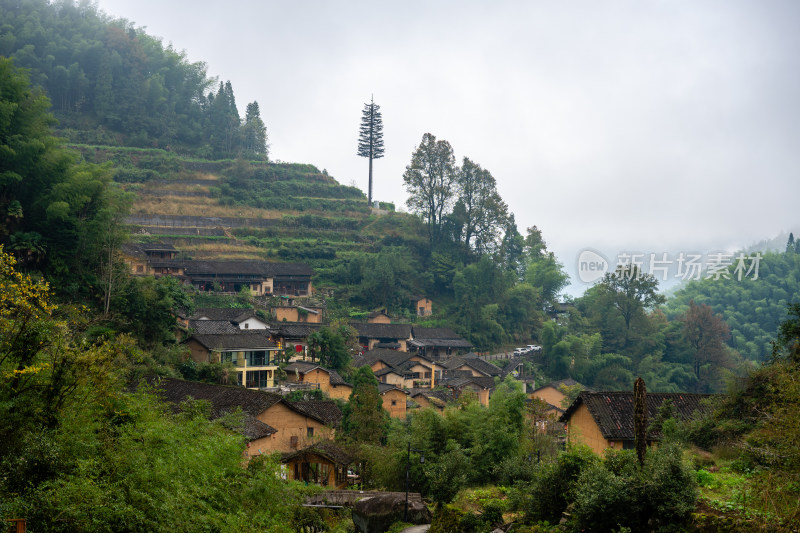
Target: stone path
x=417, y=529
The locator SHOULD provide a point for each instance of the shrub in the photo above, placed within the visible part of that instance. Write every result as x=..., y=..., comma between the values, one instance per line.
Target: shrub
x=446, y=519
x=616, y=494
x=547, y=496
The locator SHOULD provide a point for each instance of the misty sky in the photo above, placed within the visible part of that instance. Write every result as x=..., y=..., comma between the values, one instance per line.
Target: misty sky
x=655, y=126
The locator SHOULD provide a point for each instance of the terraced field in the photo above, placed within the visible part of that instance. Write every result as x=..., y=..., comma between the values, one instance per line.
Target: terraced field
x=242, y=210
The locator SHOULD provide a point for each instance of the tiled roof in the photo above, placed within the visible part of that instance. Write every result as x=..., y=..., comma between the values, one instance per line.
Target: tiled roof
x=435, y=333
x=569, y=382
x=303, y=367
x=613, y=411
x=133, y=249
x=256, y=429
x=382, y=331
x=213, y=327
x=513, y=364
x=262, y=268
x=326, y=449
x=223, y=398
x=388, y=370
x=338, y=380
x=480, y=365
x=326, y=411
x=440, y=343
x=442, y=395
x=244, y=340
x=294, y=330
x=224, y=313
x=457, y=383
x=392, y=358
x=386, y=387
x=388, y=345
x=159, y=247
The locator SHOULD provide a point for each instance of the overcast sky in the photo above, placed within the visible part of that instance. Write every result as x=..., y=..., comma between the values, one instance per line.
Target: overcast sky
x=651, y=126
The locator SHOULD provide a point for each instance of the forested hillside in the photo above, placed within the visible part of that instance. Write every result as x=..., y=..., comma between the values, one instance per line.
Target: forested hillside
x=110, y=83
x=752, y=308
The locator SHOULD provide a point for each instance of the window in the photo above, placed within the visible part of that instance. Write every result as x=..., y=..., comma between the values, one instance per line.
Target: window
x=310, y=432
x=394, y=402
x=258, y=379
x=246, y=325
x=139, y=269
x=293, y=441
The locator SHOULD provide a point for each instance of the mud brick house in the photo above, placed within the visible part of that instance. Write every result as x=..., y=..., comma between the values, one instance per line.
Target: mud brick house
x=260, y=277
x=140, y=256
x=481, y=387
x=402, y=369
x=437, y=343
x=604, y=420
x=298, y=313
x=292, y=334
x=271, y=423
x=434, y=398
x=322, y=463
x=379, y=317
x=553, y=394
x=378, y=335
x=327, y=380
x=423, y=306
x=394, y=400
x=469, y=365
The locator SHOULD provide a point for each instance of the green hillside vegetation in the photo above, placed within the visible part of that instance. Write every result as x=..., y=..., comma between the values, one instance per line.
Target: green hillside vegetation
x=110, y=83
x=752, y=308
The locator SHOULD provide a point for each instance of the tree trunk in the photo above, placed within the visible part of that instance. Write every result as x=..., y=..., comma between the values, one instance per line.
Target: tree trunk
x=640, y=419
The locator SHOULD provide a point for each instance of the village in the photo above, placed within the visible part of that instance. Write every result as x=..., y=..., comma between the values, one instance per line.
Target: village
x=415, y=367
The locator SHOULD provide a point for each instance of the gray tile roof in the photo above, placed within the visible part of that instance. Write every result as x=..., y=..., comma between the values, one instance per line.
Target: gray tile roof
x=244, y=340
x=294, y=330
x=443, y=395
x=613, y=411
x=326, y=449
x=484, y=367
x=386, y=387
x=392, y=358
x=303, y=367
x=225, y=313
x=213, y=327
x=223, y=398
x=434, y=333
x=326, y=411
x=227, y=398
x=382, y=331
x=260, y=268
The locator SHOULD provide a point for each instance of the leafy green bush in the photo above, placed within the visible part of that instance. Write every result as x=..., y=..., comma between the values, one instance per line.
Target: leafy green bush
x=552, y=489
x=616, y=494
x=446, y=519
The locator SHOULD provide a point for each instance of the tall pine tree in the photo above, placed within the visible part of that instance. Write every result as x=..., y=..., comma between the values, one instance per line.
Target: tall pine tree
x=370, y=139
x=255, y=132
